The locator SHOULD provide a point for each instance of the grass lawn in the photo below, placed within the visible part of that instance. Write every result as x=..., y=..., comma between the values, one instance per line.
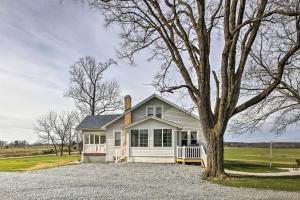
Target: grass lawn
x=282, y=157
x=22, y=151
x=287, y=183
x=250, y=167
x=32, y=163
x=257, y=160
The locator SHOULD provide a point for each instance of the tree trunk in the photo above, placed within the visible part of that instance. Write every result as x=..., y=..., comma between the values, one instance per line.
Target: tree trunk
x=69, y=149
x=62, y=150
x=215, y=155
x=55, y=149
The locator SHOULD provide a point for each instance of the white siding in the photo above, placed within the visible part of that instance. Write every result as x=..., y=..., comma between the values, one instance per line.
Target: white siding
x=172, y=114
x=142, y=154
x=110, y=137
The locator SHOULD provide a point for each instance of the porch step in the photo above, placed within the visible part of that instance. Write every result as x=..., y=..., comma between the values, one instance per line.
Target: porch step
x=180, y=160
x=123, y=158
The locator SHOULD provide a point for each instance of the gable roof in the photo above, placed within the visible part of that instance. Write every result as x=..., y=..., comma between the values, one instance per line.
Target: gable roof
x=156, y=119
x=147, y=99
x=96, y=121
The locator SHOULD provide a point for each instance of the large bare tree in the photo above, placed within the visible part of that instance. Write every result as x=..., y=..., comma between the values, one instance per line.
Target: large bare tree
x=282, y=107
x=179, y=33
x=91, y=93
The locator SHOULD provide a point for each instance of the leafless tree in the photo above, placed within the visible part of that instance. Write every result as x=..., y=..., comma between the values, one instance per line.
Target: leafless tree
x=91, y=93
x=72, y=119
x=59, y=129
x=282, y=107
x=179, y=34
x=44, y=129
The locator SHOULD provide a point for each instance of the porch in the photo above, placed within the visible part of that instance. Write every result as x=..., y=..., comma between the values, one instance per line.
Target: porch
x=191, y=154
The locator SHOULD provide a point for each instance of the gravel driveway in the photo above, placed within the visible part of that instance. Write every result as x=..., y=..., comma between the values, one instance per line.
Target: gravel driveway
x=123, y=181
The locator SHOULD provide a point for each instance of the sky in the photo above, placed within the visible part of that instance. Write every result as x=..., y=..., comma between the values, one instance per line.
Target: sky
x=39, y=40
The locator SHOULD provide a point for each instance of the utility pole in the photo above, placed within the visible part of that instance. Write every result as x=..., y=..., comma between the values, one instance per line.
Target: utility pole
x=271, y=153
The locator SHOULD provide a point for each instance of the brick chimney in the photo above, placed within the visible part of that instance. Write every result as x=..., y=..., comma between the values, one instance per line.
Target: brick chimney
x=127, y=118
x=127, y=106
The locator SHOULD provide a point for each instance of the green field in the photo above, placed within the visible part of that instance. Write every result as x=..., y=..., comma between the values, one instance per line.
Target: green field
x=282, y=157
x=27, y=151
x=287, y=183
x=37, y=162
x=257, y=160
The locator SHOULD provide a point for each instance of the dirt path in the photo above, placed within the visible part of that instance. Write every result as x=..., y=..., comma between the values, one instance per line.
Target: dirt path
x=290, y=172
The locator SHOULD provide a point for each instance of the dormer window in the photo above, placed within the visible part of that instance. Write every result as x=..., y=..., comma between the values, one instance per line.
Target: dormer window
x=150, y=111
x=156, y=111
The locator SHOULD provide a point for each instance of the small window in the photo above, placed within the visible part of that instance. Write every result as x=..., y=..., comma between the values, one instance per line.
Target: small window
x=158, y=111
x=167, y=138
x=194, y=140
x=144, y=138
x=96, y=139
x=150, y=111
x=117, y=138
x=134, y=138
x=102, y=139
x=157, y=137
x=86, y=138
x=92, y=138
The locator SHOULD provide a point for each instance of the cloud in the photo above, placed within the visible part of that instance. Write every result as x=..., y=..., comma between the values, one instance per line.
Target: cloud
x=39, y=41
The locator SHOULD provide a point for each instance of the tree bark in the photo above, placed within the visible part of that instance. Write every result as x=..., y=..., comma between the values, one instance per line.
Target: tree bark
x=62, y=150
x=215, y=154
x=55, y=149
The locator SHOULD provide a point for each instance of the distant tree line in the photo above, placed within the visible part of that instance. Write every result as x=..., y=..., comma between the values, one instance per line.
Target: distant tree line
x=15, y=143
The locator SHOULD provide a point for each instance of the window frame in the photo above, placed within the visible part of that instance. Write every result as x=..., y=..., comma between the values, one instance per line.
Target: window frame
x=162, y=111
x=147, y=113
x=91, y=138
x=87, y=138
x=117, y=131
x=154, y=110
x=162, y=138
x=197, y=141
x=101, y=136
x=139, y=138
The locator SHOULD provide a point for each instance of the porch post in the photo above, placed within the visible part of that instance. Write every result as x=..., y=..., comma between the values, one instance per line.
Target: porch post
x=174, y=144
x=183, y=154
x=83, y=148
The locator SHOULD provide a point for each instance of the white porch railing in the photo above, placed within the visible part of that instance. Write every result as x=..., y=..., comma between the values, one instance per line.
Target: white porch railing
x=94, y=148
x=191, y=153
x=203, y=155
x=120, y=153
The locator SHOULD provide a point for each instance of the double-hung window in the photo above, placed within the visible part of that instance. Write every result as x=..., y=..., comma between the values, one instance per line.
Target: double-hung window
x=162, y=137
x=139, y=138
x=117, y=138
x=156, y=111
x=150, y=111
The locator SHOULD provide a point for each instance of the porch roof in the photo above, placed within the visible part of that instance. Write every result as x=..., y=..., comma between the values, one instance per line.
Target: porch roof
x=96, y=121
x=156, y=119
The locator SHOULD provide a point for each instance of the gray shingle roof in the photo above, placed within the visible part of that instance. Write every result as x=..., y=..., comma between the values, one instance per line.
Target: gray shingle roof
x=96, y=121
